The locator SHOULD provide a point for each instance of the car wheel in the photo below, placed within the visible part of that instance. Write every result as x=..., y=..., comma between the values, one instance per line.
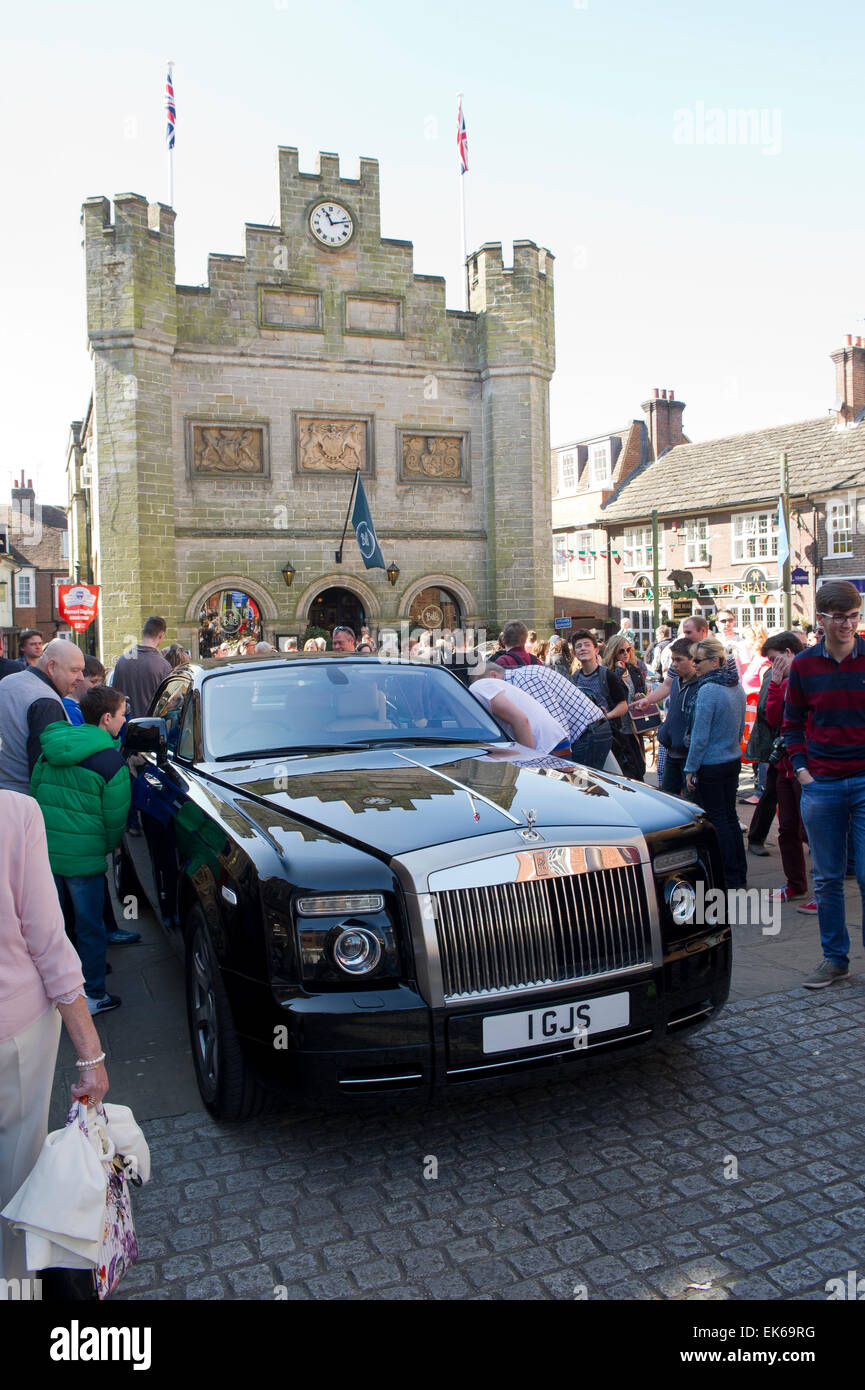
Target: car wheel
x=228, y=1087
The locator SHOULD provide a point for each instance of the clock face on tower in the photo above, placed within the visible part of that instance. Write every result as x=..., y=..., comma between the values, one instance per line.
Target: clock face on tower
x=331, y=224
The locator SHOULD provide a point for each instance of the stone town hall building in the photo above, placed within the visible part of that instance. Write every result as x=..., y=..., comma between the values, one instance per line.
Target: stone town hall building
x=227, y=421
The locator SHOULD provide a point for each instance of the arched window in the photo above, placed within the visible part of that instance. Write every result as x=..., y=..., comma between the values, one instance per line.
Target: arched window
x=435, y=608
x=227, y=616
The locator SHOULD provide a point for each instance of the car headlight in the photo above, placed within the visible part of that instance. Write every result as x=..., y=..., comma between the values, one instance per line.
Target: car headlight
x=675, y=859
x=356, y=950
x=346, y=938
x=681, y=899
x=331, y=904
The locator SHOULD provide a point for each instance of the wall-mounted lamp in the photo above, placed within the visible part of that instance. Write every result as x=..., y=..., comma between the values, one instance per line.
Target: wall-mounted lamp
x=288, y=573
x=392, y=571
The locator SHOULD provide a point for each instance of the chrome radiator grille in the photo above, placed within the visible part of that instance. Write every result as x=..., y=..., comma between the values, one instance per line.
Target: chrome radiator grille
x=545, y=930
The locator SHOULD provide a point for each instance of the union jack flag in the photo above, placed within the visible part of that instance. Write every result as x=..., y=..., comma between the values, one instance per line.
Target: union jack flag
x=170, y=113
x=462, y=141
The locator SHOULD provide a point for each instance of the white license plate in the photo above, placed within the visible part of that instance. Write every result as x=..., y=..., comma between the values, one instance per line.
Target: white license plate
x=556, y=1024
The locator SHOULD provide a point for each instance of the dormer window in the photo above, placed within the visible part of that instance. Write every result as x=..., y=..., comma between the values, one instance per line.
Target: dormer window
x=567, y=479
x=599, y=464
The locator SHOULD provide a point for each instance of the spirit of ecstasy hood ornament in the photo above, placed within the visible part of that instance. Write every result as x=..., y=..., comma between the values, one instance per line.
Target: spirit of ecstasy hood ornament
x=530, y=834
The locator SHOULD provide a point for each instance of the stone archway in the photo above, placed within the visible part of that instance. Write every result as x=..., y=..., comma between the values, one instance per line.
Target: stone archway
x=463, y=596
x=368, y=600
x=232, y=581
x=257, y=621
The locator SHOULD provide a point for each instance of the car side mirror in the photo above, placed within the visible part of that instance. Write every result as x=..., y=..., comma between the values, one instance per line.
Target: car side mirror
x=147, y=736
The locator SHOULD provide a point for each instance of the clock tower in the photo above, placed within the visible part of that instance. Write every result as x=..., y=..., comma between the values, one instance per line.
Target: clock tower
x=228, y=421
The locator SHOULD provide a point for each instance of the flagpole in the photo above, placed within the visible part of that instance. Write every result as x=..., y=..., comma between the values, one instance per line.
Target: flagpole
x=784, y=508
x=462, y=178
x=171, y=146
x=347, y=515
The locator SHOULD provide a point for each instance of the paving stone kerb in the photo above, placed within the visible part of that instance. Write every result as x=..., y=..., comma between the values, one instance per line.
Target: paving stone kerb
x=730, y=1159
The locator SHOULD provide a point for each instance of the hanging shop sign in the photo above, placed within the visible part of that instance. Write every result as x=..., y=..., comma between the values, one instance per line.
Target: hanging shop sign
x=78, y=604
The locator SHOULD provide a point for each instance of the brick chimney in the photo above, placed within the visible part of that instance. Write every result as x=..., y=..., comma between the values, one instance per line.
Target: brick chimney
x=664, y=421
x=849, y=379
x=24, y=500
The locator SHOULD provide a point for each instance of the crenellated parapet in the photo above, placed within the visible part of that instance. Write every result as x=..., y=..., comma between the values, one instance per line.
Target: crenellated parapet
x=514, y=304
x=130, y=268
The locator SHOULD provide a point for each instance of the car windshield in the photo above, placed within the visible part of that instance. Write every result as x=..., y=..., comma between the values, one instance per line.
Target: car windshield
x=330, y=703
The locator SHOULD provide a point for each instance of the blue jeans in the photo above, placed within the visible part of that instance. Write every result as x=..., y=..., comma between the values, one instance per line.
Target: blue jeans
x=86, y=894
x=830, y=809
x=673, y=777
x=592, y=747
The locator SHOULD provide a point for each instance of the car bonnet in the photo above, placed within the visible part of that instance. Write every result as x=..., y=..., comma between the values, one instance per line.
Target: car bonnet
x=396, y=800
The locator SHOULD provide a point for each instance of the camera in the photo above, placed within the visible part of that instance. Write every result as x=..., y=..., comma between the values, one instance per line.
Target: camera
x=777, y=752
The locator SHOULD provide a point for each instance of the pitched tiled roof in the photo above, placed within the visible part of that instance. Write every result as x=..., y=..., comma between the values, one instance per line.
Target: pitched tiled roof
x=55, y=517
x=742, y=469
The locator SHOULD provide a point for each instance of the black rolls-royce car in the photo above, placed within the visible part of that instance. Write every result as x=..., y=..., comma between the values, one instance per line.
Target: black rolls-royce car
x=375, y=891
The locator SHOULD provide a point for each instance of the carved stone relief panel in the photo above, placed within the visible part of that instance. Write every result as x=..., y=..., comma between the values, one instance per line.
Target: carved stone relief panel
x=332, y=444
x=432, y=458
x=220, y=450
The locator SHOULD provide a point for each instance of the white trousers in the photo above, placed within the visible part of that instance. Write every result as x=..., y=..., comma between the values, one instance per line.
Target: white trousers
x=27, y=1064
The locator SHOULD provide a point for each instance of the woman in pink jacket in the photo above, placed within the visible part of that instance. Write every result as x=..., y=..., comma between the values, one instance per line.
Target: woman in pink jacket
x=40, y=984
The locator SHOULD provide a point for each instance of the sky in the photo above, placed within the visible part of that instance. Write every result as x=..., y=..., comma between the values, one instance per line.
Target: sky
x=696, y=250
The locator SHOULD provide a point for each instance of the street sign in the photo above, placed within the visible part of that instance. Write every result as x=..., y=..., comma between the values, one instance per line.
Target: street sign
x=800, y=576
x=562, y=623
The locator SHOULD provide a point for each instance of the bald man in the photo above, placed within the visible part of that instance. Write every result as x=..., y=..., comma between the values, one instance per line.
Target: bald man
x=29, y=701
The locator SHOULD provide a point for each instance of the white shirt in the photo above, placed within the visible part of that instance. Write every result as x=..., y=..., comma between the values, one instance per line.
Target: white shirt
x=547, y=732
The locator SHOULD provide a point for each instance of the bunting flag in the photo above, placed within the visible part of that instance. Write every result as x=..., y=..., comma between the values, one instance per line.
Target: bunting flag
x=170, y=112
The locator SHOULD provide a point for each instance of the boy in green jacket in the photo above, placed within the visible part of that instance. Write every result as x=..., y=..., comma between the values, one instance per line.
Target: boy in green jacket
x=82, y=785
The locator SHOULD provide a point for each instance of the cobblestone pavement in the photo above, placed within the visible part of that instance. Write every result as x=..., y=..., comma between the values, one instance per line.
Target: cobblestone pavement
x=728, y=1165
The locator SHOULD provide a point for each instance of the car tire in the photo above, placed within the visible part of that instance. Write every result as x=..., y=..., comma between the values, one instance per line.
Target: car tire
x=228, y=1087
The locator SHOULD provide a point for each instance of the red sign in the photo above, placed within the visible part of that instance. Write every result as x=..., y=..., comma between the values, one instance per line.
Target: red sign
x=78, y=604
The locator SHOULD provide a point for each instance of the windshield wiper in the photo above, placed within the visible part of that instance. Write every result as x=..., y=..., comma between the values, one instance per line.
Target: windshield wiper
x=369, y=743
x=409, y=737
x=283, y=752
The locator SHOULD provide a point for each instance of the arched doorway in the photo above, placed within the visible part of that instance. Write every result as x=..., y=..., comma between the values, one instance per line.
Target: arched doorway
x=337, y=607
x=434, y=607
x=228, y=616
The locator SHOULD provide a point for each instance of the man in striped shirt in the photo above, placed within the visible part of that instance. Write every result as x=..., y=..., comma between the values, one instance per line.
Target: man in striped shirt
x=824, y=729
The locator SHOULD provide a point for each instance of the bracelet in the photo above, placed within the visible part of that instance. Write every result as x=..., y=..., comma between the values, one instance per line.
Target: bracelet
x=93, y=1062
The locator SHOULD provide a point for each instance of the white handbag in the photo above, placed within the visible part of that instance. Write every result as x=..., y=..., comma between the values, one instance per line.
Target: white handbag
x=61, y=1207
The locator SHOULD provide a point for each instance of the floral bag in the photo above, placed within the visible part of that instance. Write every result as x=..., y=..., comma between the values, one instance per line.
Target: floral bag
x=118, y=1246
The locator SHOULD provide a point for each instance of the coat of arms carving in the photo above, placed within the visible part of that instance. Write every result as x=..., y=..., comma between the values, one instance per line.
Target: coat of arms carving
x=434, y=457
x=220, y=449
x=331, y=446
